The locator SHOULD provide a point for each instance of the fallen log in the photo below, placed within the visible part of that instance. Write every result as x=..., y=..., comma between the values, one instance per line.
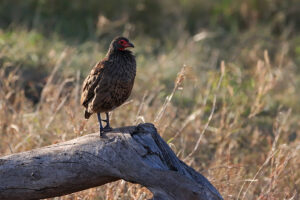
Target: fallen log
x=135, y=154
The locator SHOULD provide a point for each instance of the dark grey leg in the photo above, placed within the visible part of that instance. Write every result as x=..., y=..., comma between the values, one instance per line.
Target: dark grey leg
x=107, y=127
x=100, y=124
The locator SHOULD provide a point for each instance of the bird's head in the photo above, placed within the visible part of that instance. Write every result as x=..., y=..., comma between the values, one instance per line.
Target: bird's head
x=120, y=44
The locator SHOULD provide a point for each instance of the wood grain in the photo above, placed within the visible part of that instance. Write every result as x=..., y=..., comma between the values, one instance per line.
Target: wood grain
x=135, y=154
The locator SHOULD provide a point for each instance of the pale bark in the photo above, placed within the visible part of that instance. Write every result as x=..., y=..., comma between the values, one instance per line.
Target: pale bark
x=135, y=154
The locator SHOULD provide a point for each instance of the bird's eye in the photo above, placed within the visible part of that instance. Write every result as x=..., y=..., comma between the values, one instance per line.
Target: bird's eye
x=121, y=41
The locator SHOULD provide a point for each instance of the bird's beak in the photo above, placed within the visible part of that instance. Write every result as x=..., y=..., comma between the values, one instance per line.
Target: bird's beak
x=129, y=44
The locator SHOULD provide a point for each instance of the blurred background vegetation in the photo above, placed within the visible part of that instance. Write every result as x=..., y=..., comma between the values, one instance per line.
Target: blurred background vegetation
x=245, y=115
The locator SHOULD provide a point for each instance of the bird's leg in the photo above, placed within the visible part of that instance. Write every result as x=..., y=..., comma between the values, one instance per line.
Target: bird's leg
x=107, y=127
x=100, y=124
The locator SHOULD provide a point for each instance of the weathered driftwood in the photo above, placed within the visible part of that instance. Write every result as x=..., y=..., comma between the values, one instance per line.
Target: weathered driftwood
x=135, y=154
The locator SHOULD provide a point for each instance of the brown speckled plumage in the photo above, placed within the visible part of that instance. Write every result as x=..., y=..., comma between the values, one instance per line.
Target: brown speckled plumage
x=110, y=82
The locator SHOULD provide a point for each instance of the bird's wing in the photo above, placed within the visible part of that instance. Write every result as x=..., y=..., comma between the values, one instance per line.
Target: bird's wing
x=90, y=83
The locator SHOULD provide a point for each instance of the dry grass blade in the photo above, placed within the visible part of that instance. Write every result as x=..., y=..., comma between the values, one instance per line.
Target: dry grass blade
x=265, y=81
x=77, y=88
x=188, y=120
x=62, y=103
x=211, y=112
x=138, y=117
x=178, y=83
x=50, y=78
x=278, y=125
x=255, y=176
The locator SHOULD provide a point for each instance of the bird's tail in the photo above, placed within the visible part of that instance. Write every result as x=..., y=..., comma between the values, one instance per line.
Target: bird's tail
x=87, y=114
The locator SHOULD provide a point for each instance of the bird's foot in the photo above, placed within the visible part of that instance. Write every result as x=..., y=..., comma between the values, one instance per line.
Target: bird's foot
x=107, y=128
x=101, y=132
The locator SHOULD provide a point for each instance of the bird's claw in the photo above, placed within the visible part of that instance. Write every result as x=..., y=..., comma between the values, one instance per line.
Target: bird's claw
x=101, y=132
x=107, y=128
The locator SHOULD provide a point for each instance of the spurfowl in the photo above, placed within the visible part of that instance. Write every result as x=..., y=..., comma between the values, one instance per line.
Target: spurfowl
x=110, y=82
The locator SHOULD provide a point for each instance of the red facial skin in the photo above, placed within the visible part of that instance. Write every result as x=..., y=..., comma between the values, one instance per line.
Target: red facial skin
x=125, y=44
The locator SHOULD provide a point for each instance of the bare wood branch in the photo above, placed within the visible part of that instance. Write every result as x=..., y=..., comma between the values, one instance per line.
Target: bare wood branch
x=135, y=154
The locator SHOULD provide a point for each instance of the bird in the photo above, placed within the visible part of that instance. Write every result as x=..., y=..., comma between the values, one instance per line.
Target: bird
x=110, y=82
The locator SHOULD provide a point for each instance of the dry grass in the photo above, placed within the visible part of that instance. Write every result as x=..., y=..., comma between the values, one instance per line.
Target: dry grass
x=239, y=126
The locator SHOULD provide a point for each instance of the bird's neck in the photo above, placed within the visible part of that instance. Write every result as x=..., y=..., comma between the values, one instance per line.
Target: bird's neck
x=114, y=55
x=117, y=51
